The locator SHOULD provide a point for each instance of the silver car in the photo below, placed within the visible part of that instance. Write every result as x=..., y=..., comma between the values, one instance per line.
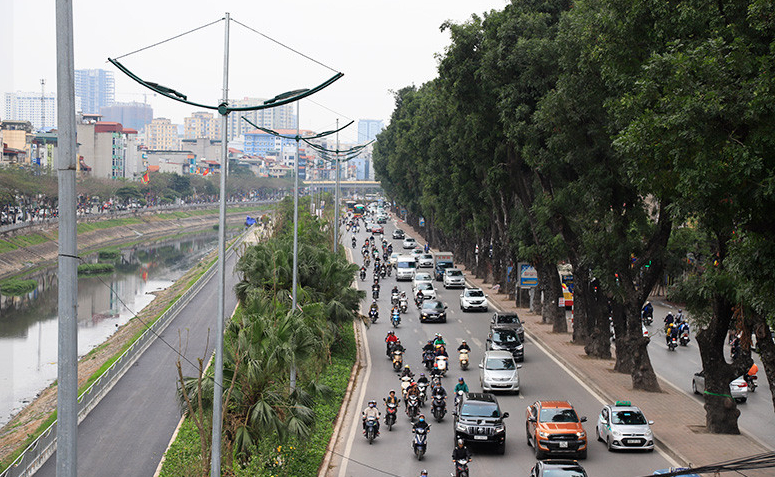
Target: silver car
x=427, y=290
x=473, y=299
x=421, y=277
x=622, y=426
x=409, y=242
x=425, y=260
x=453, y=277
x=737, y=388
x=498, y=372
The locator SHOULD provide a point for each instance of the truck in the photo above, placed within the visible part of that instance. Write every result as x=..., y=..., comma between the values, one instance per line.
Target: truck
x=442, y=261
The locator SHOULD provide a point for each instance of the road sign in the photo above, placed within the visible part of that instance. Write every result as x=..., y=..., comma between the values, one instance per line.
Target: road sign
x=528, y=277
x=422, y=221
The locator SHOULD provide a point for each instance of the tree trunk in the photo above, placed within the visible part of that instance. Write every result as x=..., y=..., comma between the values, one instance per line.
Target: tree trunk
x=766, y=351
x=552, y=312
x=594, y=305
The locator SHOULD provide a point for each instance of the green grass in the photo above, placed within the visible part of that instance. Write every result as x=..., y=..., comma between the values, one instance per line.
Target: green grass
x=106, y=224
x=16, y=287
x=6, y=246
x=30, y=439
x=95, y=268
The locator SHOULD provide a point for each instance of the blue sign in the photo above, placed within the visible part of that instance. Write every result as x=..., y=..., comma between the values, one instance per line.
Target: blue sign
x=528, y=277
x=422, y=221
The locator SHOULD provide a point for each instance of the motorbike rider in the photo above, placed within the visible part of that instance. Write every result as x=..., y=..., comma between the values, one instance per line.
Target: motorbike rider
x=436, y=372
x=461, y=385
x=355, y=241
x=371, y=411
x=439, y=340
x=412, y=390
x=683, y=326
x=422, y=379
x=428, y=346
x=679, y=318
x=419, y=297
x=406, y=372
x=669, y=320
x=421, y=424
x=648, y=310
x=374, y=307
x=375, y=286
x=390, y=341
x=392, y=398
x=464, y=347
x=441, y=351
x=461, y=452
x=423, y=473
x=671, y=333
x=439, y=390
x=751, y=374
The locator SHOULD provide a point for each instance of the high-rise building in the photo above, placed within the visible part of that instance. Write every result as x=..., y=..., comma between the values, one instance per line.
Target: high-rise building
x=279, y=117
x=161, y=134
x=132, y=115
x=94, y=89
x=107, y=149
x=368, y=129
x=202, y=125
x=37, y=108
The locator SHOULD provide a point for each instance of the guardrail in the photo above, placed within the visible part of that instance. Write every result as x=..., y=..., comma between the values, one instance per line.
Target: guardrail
x=37, y=453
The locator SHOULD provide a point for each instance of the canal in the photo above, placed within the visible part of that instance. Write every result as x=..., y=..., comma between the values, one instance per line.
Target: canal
x=28, y=323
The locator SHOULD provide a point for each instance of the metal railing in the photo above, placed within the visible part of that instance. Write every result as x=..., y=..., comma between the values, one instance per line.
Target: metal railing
x=36, y=454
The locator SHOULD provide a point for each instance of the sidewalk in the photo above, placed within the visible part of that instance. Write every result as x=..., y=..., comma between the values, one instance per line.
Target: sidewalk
x=679, y=420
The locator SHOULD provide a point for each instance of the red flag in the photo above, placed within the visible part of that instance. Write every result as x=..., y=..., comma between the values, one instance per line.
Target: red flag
x=205, y=172
x=146, y=178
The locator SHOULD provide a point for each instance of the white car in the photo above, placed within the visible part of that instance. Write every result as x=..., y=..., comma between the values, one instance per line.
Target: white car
x=622, y=426
x=427, y=290
x=738, y=388
x=409, y=242
x=393, y=259
x=416, y=252
x=453, y=277
x=473, y=299
x=421, y=277
x=425, y=260
x=498, y=372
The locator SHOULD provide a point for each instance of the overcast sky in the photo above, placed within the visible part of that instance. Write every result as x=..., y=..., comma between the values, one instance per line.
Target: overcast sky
x=380, y=45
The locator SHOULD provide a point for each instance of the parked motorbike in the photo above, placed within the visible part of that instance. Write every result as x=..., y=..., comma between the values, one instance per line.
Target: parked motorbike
x=461, y=468
x=438, y=407
x=412, y=407
x=463, y=358
x=441, y=361
x=398, y=359
x=396, y=319
x=371, y=429
x=420, y=441
x=390, y=415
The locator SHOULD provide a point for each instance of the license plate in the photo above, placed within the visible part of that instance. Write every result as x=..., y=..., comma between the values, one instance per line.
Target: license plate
x=480, y=438
x=563, y=444
x=631, y=441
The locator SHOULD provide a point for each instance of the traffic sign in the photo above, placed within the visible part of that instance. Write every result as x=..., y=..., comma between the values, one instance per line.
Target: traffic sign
x=528, y=277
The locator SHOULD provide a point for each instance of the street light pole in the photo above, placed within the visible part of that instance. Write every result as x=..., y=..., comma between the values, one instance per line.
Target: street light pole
x=336, y=194
x=215, y=460
x=295, y=232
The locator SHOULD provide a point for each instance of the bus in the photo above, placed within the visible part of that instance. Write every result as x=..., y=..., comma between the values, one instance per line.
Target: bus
x=350, y=205
x=359, y=210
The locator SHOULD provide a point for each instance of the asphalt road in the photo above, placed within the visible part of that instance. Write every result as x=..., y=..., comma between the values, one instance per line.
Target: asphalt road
x=128, y=432
x=540, y=378
x=677, y=368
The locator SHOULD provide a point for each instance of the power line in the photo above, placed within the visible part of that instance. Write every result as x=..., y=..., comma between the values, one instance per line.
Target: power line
x=169, y=39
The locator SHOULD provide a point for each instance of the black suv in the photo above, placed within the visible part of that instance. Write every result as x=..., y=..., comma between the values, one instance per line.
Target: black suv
x=506, y=339
x=478, y=419
x=398, y=234
x=508, y=320
x=559, y=468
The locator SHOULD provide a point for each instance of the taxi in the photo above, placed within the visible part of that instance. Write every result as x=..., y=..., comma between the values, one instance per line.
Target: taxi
x=622, y=426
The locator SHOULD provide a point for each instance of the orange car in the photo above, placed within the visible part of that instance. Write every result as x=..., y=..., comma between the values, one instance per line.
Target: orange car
x=554, y=428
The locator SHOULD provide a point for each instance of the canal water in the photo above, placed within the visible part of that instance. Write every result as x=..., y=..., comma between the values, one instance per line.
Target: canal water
x=28, y=324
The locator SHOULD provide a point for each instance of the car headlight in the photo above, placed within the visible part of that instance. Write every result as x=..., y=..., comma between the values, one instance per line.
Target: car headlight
x=581, y=434
x=460, y=427
x=520, y=347
x=500, y=428
x=647, y=433
x=616, y=433
x=543, y=434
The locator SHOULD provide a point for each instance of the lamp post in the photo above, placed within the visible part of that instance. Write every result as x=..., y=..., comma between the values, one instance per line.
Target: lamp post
x=336, y=194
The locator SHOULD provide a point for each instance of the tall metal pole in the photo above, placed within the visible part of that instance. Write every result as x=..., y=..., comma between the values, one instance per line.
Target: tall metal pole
x=336, y=194
x=215, y=460
x=295, y=231
x=67, y=353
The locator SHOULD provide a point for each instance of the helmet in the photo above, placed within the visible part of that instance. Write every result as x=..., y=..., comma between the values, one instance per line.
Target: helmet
x=679, y=310
x=372, y=403
x=391, y=332
x=436, y=365
x=423, y=472
x=464, y=341
x=460, y=442
x=398, y=341
x=422, y=418
x=406, y=367
x=392, y=391
x=460, y=379
x=422, y=375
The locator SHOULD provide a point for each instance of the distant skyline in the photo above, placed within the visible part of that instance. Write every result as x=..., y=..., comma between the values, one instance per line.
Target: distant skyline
x=380, y=46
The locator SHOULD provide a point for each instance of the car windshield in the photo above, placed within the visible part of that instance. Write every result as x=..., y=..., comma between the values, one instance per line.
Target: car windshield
x=443, y=265
x=480, y=409
x=475, y=293
x=407, y=264
x=424, y=286
x=508, y=319
x=505, y=336
x=564, y=472
x=432, y=305
x=426, y=256
x=628, y=418
x=422, y=277
x=558, y=415
x=454, y=273
x=409, y=239
x=500, y=364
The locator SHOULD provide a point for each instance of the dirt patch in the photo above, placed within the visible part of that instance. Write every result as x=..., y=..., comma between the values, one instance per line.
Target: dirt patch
x=22, y=425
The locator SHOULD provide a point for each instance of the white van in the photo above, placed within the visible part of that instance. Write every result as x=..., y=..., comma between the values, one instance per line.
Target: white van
x=405, y=267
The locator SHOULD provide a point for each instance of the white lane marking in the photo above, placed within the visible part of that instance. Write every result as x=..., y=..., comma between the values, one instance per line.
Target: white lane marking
x=477, y=342
x=469, y=332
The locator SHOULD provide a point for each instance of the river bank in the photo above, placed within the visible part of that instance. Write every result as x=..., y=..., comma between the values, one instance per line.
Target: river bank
x=16, y=434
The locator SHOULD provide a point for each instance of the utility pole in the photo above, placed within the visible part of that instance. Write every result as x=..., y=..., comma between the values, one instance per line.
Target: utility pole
x=42, y=103
x=67, y=351
x=336, y=194
x=295, y=232
x=215, y=460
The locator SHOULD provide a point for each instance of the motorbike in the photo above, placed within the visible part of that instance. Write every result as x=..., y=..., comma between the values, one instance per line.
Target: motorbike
x=375, y=293
x=390, y=415
x=672, y=344
x=373, y=314
x=394, y=297
x=441, y=361
x=751, y=380
x=461, y=468
x=428, y=358
x=396, y=319
x=435, y=381
x=398, y=359
x=371, y=429
x=389, y=269
x=363, y=275
x=463, y=358
x=366, y=262
x=383, y=271
x=405, y=382
x=354, y=242
x=389, y=349
x=684, y=339
x=438, y=407
x=412, y=407
x=402, y=305
x=458, y=397
x=420, y=441
x=422, y=387
x=418, y=301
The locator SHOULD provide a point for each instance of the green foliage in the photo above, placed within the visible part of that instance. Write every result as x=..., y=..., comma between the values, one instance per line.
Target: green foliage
x=109, y=255
x=17, y=287
x=95, y=268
